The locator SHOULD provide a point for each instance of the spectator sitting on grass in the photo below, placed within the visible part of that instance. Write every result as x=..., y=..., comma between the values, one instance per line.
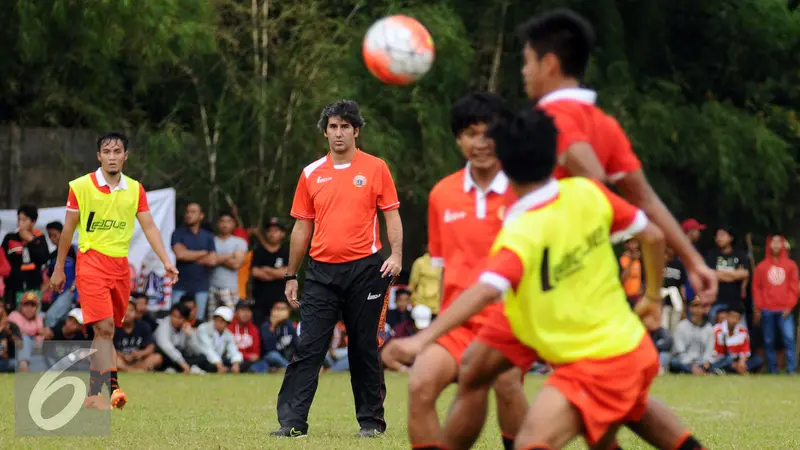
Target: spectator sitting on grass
x=136, y=350
x=694, y=341
x=402, y=313
x=246, y=335
x=143, y=314
x=279, y=339
x=189, y=301
x=217, y=344
x=419, y=320
x=69, y=328
x=175, y=344
x=28, y=319
x=732, y=345
x=9, y=336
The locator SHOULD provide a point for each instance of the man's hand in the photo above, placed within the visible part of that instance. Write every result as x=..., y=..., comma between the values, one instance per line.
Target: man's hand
x=649, y=311
x=221, y=368
x=170, y=273
x=740, y=365
x=704, y=280
x=235, y=368
x=697, y=370
x=291, y=293
x=786, y=314
x=757, y=317
x=186, y=368
x=58, y=280
x=252, y=358
x=391, y=267
x=46, y=333
x=399, y=354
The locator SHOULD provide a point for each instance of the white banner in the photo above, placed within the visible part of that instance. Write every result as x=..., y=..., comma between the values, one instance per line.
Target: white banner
x=162, y=206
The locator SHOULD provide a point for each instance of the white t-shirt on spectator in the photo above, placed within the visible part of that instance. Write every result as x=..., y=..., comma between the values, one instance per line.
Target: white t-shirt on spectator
x=223, y=277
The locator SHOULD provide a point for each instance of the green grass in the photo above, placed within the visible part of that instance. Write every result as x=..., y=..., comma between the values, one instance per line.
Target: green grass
x=236, y=412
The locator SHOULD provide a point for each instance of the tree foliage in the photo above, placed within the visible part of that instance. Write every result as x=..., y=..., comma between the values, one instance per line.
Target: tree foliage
x=223, y=95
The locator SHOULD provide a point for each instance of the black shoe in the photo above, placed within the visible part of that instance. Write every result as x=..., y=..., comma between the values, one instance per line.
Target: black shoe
x=290, y=432
x=369, y=433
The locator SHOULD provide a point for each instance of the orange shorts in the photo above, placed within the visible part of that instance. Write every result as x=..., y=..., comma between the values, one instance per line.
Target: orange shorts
x=103, y=298
x=496, y=333
x=608, y=391
x=457, y=341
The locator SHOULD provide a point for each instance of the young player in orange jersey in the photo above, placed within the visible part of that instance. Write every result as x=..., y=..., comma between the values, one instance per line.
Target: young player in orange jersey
x=465, y=212
x=554, y=262
x=106, y=203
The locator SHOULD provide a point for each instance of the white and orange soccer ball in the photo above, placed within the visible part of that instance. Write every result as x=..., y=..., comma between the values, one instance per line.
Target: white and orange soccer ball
x=398, y=50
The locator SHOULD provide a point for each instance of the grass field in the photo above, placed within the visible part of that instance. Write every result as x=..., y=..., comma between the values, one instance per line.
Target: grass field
x=236, y=412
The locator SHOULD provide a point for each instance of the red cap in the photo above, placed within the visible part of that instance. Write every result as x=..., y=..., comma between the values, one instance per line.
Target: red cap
x=692, y=224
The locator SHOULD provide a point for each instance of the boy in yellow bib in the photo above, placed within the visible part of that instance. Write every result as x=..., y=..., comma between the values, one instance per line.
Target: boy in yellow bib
x=106, y=203
x=554, y=263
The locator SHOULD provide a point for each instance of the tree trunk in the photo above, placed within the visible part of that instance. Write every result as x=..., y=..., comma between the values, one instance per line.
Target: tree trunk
x=262, y=120
x=15, y=166
x=494, y=76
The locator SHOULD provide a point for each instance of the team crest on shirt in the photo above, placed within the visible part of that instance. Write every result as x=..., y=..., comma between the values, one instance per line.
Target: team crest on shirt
x=360, y=180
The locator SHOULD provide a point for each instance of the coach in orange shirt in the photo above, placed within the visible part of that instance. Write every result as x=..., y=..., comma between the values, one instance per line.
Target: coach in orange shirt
x=338, y=197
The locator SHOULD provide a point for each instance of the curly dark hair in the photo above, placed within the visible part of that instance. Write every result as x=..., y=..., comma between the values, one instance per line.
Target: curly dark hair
x=346, y=109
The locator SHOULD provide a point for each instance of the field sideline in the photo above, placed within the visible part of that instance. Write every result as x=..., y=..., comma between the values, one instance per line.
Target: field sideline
x=236, y=412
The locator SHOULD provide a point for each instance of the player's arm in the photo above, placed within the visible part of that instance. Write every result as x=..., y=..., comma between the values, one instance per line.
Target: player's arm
x=390, y=205
x=637, y=190
x=468, y=304
x=153, y=236
x=580, y=161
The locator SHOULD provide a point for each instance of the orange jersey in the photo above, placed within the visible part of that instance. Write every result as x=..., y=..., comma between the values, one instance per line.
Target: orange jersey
x=462, y=225
x=579, y=120
x=343, y=201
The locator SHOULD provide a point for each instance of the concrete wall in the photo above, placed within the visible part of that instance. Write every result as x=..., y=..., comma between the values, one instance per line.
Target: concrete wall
x=37, y=163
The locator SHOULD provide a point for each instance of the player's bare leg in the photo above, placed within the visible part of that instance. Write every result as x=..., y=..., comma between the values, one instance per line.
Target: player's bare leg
x=104, y=368
x=551, y=423
x=480, y=368
x=432, y=371
x=608, y=441
x=661, y=428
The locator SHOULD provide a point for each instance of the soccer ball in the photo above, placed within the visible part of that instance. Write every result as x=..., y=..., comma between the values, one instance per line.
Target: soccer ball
x=398, y=50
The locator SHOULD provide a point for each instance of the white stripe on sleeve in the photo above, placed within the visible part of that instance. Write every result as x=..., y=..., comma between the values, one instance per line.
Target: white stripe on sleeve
x=639, y=223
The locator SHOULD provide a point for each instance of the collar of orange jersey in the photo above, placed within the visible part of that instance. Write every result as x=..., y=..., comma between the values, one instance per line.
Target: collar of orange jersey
x=498, y=185
x=345, y=165
x=575, y=94
x=101, y=180
x=534, y=199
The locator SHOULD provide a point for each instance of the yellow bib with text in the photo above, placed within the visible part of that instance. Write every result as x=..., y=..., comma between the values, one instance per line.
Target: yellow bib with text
x=569, y=304
x=107, y=220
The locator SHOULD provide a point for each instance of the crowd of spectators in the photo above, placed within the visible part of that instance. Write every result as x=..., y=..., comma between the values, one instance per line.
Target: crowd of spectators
x=749, y=327
x=228, y=312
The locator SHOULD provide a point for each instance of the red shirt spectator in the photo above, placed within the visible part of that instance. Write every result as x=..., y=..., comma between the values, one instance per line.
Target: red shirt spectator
x=731, y=339
x=775, y=282
x=245, y=333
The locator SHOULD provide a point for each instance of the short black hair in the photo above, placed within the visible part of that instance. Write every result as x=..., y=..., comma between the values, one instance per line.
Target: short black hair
x=112, y=136
x=475, y=108
x=526, y=145
x=401, y=291
x=55, y=225
x=226, y=214
x=138, y=295
x=346, y=109
x=182, y=309
x=565, y=34
x=188, y=297
x=30, y=211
